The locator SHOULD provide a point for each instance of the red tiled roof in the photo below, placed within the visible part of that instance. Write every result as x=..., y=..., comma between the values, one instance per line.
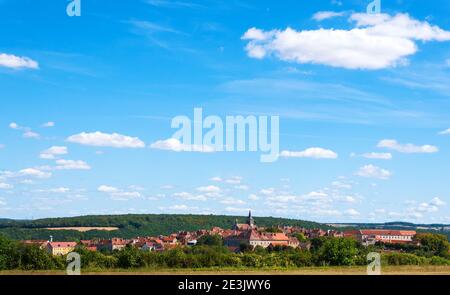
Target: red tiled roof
x=386, y=232
x=62, y=244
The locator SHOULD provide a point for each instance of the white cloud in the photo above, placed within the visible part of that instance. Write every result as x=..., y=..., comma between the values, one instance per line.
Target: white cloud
x=253, y=197
x=182, y=207
x=209, y=189
x=33, y=172
x=232, y=201
x=406, y=148
x=5, y=186
x=118, y=194
x=379, y=156
x=371, y=171
x=322, y=15
x=31, y=134
x=54, y=151
x=173, y=144
x=58, y=190
x=445, y=132
x=233, y=180
x=315, y=153
x=2, y=146
x=14, y=125
x=28, y=133
x=71, y=165
x=237, y=210
x=125, y=196
x=114, y=140
x=352, y=212
x=17, y=62
x=48, y=125
x=189, y=196
x=437, y=202
x=420, y=209
x=107, y=189
x=339, y=184
x=376, y=42
x=267, y=191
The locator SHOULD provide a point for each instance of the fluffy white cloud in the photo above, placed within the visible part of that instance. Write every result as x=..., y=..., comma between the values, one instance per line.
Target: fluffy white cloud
x=173, y=144
x=322, y=15
x=352, y=212
x=34, y=172
x=420, y=209
x=118, y=194
x=71, y=165
x=209, y=189
x=445, y=132
x=315, y=153
x=379, y=156
x=17, y=62
x=376, y=42
x=406, y=148
x=437, y=202
x=216, y=179
x=371, y=171
x=54, y=151
x=106, y=140
x=107, y=189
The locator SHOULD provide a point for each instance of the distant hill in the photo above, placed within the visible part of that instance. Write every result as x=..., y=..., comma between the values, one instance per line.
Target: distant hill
x=131, y=225
x=436, y=228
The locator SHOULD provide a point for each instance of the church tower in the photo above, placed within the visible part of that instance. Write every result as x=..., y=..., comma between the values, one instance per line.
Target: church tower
x=250, y=220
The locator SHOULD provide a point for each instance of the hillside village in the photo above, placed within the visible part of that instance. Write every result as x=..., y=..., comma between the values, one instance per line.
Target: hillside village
x=239, y=235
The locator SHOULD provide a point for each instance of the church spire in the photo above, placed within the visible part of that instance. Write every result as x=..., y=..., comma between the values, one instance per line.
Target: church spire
x=250, y=220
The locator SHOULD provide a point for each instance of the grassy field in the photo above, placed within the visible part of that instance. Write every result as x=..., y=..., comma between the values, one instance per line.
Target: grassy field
x=354, y=270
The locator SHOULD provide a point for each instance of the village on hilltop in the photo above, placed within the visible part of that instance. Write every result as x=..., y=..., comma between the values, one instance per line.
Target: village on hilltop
x=247, y=234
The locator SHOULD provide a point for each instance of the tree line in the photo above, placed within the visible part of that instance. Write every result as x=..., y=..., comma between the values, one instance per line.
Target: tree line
x=210, y=252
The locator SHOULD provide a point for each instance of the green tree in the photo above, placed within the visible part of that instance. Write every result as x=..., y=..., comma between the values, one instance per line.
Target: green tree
x=9, y=254
x=338, y=251
x=434, y=244
x=130, y=257
x=210, y=240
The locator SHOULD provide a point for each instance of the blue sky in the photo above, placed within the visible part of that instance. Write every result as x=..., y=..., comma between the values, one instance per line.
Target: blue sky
x=84, y=98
